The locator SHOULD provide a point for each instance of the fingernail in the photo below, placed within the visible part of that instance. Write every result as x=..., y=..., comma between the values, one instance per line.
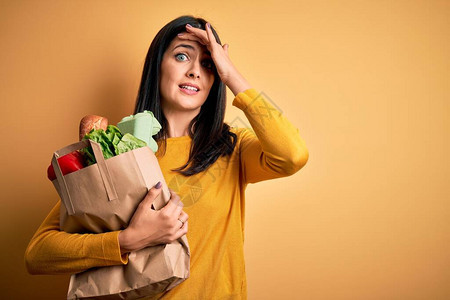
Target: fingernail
x=209, y=25
x=158, y=185
x=188, y=25
x=180, y=33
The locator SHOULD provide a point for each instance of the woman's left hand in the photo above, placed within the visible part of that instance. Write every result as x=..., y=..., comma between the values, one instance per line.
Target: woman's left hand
x=219, y=54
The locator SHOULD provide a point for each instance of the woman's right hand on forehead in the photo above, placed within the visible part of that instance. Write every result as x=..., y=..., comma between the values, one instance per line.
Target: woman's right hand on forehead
x=228, y=73
x=149, y=227
x=219, y=53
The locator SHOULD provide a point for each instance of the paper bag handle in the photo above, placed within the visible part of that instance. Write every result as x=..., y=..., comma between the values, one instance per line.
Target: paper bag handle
x=103, y=169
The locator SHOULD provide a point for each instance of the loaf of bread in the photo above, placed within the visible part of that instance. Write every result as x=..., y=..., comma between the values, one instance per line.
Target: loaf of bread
x=90, y=122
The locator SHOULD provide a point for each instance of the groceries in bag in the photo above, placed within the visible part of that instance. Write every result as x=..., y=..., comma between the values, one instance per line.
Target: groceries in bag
x=142, y=125
x=102, y=196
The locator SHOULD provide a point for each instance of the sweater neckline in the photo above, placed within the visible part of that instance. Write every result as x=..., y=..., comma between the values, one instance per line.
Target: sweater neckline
x=179, y=138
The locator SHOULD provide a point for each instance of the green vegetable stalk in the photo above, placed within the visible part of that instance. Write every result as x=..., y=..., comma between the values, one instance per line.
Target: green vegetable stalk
x=112, y=143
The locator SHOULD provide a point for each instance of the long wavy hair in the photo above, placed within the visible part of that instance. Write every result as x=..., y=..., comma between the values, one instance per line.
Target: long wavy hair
x=211, y=137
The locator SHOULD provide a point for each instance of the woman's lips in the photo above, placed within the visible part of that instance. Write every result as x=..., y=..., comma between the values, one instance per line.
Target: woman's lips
x=189, y=92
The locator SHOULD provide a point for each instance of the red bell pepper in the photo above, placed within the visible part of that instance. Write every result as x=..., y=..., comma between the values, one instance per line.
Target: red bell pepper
x=68, y=163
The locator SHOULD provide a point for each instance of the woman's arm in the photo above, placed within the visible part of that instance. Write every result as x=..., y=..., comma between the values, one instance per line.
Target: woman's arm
x=236, y=82
x=52, y=251
x=275, y=149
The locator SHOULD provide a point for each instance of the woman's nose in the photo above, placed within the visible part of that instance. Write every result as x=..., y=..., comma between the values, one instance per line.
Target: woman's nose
x=194, y=70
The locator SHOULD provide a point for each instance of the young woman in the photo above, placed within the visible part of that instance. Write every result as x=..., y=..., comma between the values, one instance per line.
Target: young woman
x=204, y=161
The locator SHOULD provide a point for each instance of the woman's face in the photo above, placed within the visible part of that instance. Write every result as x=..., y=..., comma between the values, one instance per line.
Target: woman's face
x=185, y=63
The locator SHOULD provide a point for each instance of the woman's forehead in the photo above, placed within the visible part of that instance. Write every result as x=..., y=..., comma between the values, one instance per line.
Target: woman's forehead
x=189, y=45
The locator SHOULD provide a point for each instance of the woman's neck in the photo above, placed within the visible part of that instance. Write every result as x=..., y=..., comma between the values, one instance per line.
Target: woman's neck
x=178, y=123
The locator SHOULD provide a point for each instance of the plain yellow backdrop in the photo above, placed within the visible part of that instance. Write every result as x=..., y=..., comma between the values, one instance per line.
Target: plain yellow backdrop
x=366, y=83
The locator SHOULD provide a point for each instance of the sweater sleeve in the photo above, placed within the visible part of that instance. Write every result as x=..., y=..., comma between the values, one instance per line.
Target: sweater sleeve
x=273, y=148
x=52, y=251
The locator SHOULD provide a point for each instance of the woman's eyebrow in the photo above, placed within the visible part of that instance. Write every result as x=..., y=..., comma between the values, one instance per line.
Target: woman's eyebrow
x=185, y=46
x=190, y=48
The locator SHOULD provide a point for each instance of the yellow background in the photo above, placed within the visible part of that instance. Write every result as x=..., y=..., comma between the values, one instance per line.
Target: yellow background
x=366, y=83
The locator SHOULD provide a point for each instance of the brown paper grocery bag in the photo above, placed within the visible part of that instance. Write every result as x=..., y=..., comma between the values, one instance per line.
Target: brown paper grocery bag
x=103, y=197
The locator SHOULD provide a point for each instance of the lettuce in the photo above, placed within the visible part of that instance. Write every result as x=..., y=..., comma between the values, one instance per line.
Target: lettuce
x=112, y=143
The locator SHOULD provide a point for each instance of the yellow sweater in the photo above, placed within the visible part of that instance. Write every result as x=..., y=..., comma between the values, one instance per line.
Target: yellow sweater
x=213, y=199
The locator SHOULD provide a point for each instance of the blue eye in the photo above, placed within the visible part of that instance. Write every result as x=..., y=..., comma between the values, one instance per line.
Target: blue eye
x=178, y=54
x=207, y=63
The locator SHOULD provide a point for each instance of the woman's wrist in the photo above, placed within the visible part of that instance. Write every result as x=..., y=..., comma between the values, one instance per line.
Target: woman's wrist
x=237, y=83
x=125, y=242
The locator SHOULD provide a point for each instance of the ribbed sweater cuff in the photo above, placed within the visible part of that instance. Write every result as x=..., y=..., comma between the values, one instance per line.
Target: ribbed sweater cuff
x=243, y=99
x=111, y=248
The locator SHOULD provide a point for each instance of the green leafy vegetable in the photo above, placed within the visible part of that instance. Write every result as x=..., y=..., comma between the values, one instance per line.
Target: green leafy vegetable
x=112, y=143
x=129, y=142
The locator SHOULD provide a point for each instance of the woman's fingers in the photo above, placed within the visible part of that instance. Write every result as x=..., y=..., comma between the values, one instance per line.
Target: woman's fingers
x=200, y=33
x=173, y=204
x=183, y=230
x=175, y=208
x=191, y=37
x=225, y=48
x=183, y=216
x=149, y=227
x=206, y=36
x=219, y=53
x=152, y=194
x=210, y=34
